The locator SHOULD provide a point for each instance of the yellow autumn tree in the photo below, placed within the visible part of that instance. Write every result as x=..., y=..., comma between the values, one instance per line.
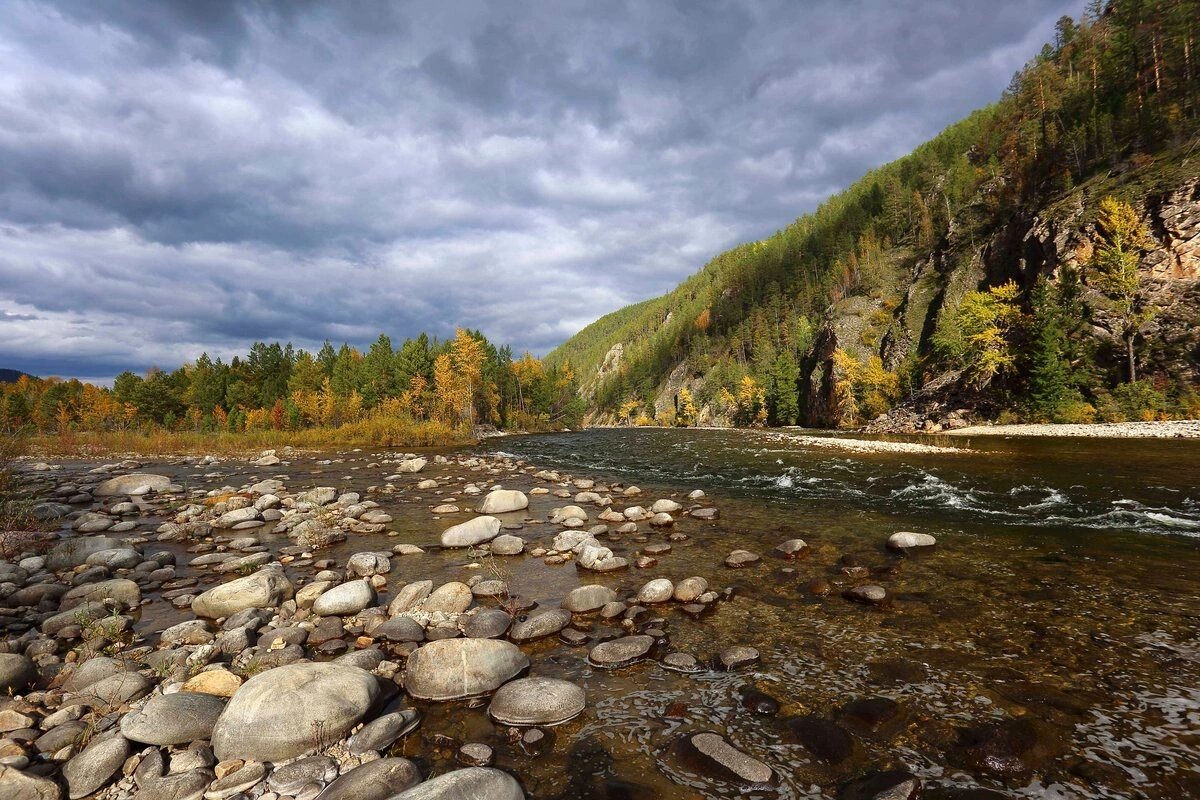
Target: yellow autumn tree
x=685, y=413
x=1121, y=239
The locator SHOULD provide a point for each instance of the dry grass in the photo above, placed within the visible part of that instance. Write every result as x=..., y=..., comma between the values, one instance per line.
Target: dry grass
x=373, y=432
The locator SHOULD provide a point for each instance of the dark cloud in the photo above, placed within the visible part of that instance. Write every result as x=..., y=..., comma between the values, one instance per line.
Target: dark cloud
x=181, y=176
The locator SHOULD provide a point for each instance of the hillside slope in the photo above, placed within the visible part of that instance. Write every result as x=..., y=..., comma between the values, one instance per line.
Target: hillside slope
x=858, y=309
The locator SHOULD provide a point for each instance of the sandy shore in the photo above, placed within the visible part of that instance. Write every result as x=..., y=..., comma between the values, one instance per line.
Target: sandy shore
x=1176, y=429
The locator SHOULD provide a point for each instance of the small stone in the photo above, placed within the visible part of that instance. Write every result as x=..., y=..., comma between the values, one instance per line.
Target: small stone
x=712, y=749
x=732, y=658
x=475, y=754
x=741, y=558
x=869, y=594
x=659, y=590
x=620, y=652
x=904, y=540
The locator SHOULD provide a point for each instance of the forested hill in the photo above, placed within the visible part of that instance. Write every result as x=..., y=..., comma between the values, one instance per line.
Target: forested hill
x=1038, y=259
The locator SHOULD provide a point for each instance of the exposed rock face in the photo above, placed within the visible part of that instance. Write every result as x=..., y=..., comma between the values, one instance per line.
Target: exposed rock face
x=292, y=710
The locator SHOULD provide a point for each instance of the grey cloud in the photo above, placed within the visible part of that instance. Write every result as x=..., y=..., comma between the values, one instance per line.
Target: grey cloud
x=178, y=177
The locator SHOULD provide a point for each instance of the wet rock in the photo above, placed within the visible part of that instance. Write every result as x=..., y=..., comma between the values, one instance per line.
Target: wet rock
x=891, y=785
x=291, y=778
x=472, y=532
x=735, y=657
x=345, y=600
x=681, y=662
x=469, y=782
x=382, y=733
x=712, y=751
x=537, y=701
x=659, y=590
x=905, y=540
x=620, y=652
x=871, y=715
x=375, y=780
x=759, y=702
x=264, y=589
x=741, y=558
x=869, y=594
x=503, y=501
x=17, y=673
x=455, y=669
x=487, y=623
x=475, y=754
x=508, y=545
x=822, y=737
x=540, y=625
x=662, y=521
x=1009, y=748
x=291, y=710
x=689, y=589
x=792, y=548
x=176, y=718
x=819, y=587
x=585, y=599
x=96, y=764
x=665, y=507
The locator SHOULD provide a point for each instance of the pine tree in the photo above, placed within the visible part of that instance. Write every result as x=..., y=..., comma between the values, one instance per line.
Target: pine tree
x=1122, y=238
x=1049, y=369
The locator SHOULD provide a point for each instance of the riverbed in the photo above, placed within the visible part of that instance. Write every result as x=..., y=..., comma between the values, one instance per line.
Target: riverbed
x=1045, y=647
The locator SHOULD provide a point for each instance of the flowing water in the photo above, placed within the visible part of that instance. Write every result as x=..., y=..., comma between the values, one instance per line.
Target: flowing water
x=1056, y=621
x=1047, y=647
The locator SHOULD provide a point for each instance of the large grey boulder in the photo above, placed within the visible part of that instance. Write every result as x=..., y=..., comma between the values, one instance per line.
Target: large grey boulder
x=134, y=483
x=503, y=501
x=75, y=551
x=344, y=600
x=453, y=669
x=472, y=532
x=177, y=718
x=471, y=783
x=375, y=780
x=264, y=589
x=120, y=591
x=537, y=701
x=592, y=597
x=292, y=710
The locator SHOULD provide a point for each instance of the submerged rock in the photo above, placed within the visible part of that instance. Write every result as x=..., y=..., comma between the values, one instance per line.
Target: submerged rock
x=712, y=751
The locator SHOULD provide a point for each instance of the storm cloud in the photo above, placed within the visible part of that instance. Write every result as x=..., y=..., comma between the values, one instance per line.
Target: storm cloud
x=178, y=177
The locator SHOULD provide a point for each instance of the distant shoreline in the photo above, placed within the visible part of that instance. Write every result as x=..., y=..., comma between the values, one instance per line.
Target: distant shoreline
x=1172, y=429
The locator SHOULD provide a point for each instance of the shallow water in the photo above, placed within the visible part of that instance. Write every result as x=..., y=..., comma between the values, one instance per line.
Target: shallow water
x=1060, y=605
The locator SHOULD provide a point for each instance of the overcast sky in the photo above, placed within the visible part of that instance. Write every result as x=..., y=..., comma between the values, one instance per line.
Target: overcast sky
x=186, y=176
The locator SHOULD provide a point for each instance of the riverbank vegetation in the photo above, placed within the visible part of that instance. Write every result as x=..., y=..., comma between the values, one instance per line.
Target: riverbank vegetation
x=425, y=393
x=923, y=246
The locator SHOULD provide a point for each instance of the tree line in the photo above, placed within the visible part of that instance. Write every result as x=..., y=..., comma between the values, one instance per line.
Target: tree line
x=460, y=382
